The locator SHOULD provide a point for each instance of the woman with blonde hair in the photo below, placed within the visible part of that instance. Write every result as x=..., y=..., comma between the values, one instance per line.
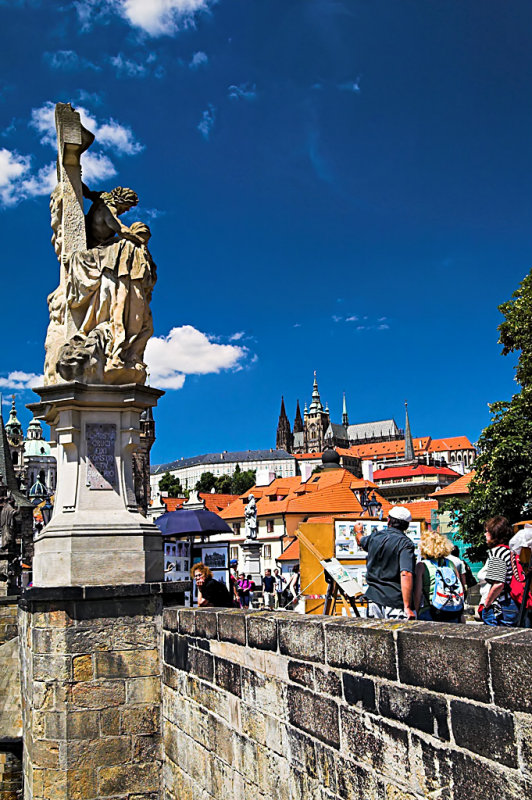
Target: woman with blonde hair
x=439, y=587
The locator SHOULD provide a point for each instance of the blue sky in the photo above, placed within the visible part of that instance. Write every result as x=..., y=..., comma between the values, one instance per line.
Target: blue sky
x=339, y=186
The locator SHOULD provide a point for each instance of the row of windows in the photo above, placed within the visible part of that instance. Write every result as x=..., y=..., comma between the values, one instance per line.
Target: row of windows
x=266, y=552
x=269, y=527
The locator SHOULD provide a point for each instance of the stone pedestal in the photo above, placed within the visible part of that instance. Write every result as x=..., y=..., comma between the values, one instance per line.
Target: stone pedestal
x=96, y=535
x=91, y=686
x=251, y=550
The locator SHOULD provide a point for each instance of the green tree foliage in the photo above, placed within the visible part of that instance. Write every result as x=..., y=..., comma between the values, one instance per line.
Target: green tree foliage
x=206, y=483
x=242, y=481
x=170, y=484
x=503, y=479
x=237, y=483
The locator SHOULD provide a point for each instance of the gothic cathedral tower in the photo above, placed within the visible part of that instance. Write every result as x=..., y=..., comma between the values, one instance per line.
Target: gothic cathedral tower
x=284, y=438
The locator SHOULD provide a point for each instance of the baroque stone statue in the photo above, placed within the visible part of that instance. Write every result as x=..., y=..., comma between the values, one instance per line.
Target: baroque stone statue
x=100, y=318
x=8, y=512
x=250, y=515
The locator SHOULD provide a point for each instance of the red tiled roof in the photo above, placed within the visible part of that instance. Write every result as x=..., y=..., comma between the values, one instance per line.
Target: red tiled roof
x=173, y=503
x=459, y=486
x=217, y=502
x=324, y=492
x=421, y=509
x=411, y=472
x=307, y=455
x=451, y=443
x=291, y=553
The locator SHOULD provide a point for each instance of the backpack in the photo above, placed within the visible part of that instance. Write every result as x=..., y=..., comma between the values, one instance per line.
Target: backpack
x=448, y=593
x=517, y=584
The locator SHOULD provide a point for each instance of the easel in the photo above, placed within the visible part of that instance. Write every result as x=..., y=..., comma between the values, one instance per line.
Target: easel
x=334, y=590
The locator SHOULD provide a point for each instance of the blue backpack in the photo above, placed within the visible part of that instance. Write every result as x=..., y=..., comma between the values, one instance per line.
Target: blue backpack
x=448, y=593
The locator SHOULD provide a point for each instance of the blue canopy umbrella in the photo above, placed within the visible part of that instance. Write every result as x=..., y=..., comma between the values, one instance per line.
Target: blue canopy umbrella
x=184, y=522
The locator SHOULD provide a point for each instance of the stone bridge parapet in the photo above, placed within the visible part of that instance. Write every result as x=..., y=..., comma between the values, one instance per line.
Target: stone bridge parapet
x=273, y=704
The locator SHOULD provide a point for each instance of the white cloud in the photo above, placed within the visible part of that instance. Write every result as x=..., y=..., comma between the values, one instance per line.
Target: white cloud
x=187, y=351
x=244, y=91
x=352, y=318
x=199, y=59
x=237, y=336
x=154, y=17
x=337, y=318
x=110, y=134
x=125, y=68
x=68, y=61
x=207, y=121
x=21, y=380
x=96, y=167
x=113, y=136
x=12, y=168
x=41, y=183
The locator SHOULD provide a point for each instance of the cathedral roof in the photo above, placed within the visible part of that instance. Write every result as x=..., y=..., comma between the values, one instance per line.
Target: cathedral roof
x=373, y=430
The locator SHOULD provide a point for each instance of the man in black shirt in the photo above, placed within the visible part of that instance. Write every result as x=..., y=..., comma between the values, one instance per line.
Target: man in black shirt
x=391, y=565
x=210, y=591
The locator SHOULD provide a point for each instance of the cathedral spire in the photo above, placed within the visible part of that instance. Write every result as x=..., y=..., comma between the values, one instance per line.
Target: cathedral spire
x=409, y=444
x=284, y=433
x=315, y=405
x=345, y=418
x=298, y=422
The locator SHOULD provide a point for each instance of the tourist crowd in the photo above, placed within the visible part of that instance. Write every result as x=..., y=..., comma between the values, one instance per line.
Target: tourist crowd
x=433, y=588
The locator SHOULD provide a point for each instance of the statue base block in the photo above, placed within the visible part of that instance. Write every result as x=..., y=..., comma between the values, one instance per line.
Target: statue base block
x=251, y=550
x=96, y=535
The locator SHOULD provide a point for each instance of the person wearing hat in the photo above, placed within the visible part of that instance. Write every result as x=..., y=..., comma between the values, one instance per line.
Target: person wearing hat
x=391, y=564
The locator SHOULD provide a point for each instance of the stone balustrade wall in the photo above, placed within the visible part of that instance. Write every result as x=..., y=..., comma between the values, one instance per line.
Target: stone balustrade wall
x=265, y=705
x=10, y=709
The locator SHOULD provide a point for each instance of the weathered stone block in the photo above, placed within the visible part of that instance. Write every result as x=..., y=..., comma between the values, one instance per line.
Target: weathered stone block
x=97, y=752
x=99, y=694
x=127, y=664
x=511, y=669
x=302, y=673
x=147, y=748
x=314, y=714
x=134, y=637
x=228, y=676
x=418, y=709
x=109, y=722
x=355, y=782
x=359, y=691
x=382, y=746
x=201, y=664
x=128, y=778
x=262, y=691
x=140, y=720
x=262, y=631
x=302, y=639
x=82, y=669
x=206, y=623
x=361, y=646
x=52, y=668
x=187, y=621
x=475, y=777
x=88, y=640
x=327, y=681
x=232, y=627
x=430, y=765
x=485, y=731
x=170, y=619
x=446, y=658
x=143, y=690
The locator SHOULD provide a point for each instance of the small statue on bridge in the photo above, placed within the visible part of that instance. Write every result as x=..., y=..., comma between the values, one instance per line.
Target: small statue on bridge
x=250, y=516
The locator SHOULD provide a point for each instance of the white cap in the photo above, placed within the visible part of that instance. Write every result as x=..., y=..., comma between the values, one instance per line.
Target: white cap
x=399, y=512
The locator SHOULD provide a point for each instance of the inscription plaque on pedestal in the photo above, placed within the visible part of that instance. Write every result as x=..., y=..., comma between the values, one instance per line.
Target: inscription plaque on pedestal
x=101, y=466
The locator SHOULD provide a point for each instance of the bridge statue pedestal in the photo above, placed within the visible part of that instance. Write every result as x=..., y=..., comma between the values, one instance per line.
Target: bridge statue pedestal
x=96, y=535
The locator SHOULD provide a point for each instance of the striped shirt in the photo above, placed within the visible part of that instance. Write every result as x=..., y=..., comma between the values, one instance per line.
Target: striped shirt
x=499, y=565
